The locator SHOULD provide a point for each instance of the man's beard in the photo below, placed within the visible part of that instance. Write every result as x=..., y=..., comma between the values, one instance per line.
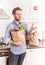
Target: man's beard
x=17, y=19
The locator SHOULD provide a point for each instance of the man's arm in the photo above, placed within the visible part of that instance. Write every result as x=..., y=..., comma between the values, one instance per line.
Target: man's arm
x=18, y=43
x=30, y=32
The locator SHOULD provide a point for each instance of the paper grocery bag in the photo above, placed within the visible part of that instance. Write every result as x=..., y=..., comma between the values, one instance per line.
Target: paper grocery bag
x=18, y=35
x=34, y=39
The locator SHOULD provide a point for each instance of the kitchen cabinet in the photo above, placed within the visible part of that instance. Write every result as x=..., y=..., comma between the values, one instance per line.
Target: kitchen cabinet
x=4, y=54
x=35, y=57
x=3, y=60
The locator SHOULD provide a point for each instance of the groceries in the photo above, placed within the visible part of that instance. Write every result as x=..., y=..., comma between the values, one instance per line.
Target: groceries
x=34, y=39
x=15, y=30
x=22, y=27
x=18, y=33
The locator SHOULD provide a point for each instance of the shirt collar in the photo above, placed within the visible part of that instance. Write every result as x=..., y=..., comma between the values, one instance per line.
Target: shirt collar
x=16, y=23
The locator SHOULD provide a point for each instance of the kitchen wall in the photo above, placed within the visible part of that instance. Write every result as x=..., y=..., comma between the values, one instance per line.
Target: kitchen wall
x=27, y=6
x=3, y=25
x=29, y=14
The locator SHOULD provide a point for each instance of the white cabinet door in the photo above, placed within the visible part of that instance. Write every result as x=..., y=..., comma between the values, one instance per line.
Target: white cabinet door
x=27, y=58
x=35, y=57
x=2, y=60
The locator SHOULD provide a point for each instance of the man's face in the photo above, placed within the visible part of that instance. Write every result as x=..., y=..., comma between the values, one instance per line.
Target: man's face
x=18, y=15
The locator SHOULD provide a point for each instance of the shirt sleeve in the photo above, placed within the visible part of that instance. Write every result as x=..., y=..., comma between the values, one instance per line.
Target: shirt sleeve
x=7, y=35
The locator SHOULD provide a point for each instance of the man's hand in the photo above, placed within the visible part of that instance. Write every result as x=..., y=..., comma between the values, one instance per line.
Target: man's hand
x=32, y=29
x=18, y=43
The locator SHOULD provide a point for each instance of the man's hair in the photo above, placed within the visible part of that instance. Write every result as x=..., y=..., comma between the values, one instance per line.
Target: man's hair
x=15, y=9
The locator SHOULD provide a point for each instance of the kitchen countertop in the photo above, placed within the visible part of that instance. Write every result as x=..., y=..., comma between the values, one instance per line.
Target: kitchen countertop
x=33, y=47
x=28, y=47
x=4, y=46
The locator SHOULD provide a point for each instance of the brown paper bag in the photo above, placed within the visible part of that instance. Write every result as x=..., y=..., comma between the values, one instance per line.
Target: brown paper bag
x=34, y=39
x=18, y=35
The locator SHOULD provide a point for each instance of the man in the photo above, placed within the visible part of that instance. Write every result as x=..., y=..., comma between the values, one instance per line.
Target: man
x=17, y=49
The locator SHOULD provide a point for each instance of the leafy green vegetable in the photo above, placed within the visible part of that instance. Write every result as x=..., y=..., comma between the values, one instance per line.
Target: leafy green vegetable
x=22, y=27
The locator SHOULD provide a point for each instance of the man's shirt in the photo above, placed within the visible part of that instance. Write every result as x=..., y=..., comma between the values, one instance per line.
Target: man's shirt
x=14, y=48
